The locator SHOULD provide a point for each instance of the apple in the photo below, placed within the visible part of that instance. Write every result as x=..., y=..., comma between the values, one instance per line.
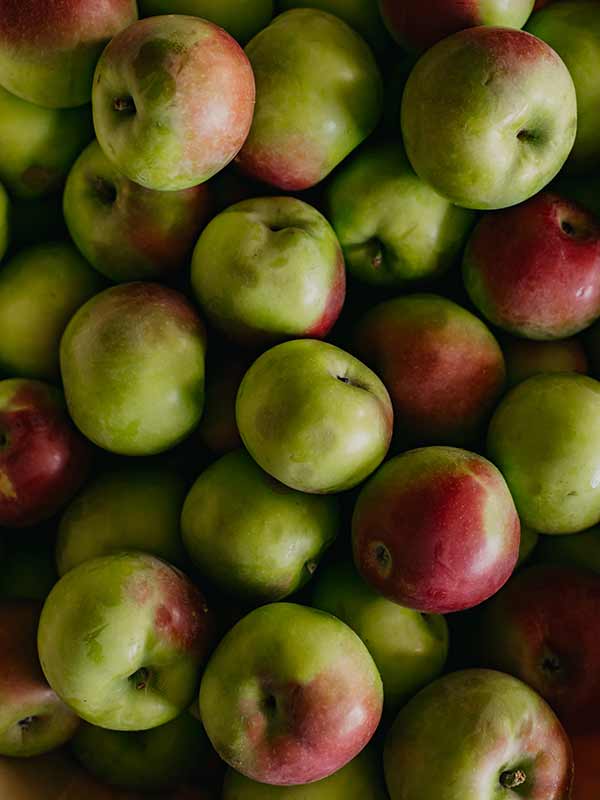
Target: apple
x=442, y=366
x=314, y=417
x=122, y=639
x=125, y=231
x=268, y=269
x=41, y=287
x=409, y=648
x=33, y=719
x=241, y=19
x=173, y=100
x=587, y=767
x=541, y=628
x=132, y=363
x=48, y=54
x=218, y=429
x=27, y=569
x=534, y=270
x=572, y=28
x=545, y=438
x=319, y=95
x=43, y=459
x=525, y=358
x=489, y=117
x=252, y=536
x=478, y=734
x=5, y=220
x=576, y=549
x=290, y=695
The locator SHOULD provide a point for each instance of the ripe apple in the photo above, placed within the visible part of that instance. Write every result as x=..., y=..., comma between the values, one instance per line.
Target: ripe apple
x=319, y=95
x=121, y=640
x=43, y=459
x=545, y=438
x=290, y=695
x=268, y=269
x=478, y=734
x=314, y=417
x=5, y=220
x=33, y=719
x=27, y=568
x=489, y=117
x=41, y=288
x=525, y=358
x=132, y=363
x=48, y=53
x=127, y=232
x=576, y=549
x=173, y=100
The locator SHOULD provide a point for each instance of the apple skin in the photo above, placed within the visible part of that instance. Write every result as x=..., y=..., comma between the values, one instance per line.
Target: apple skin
x=477, y=728
x=27, y=568
x=572, y=28
x=409, y=648
x=127, y=232
x=545, y=439
x=314, y=417
x=48, y=53
x=587, y=768
x=539, y=628
x=290, y=695
x=319, y=95
x=442, y=366
x=33, y=720
x=269, y=269
x=122, y=639
x=474, y=81
x=534, y=270
x=41, y=287
x=577, y=550
x=525, y=358
x=161, y=125
x=43, y=458
x=5, y=219
x=132, y=363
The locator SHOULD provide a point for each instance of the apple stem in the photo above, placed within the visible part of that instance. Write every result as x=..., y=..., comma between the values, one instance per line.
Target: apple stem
x=513, y=778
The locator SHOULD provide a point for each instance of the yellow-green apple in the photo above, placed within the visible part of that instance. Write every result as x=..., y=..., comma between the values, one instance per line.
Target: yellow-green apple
x=43, y=458
x=534, y=270
x=241, y=18
x=409, y=648
x=545, y=438
x=48, y=52
x=319, y=95
x=442, y=366
x=5, y=220
x=39, y=144
x=478, y=734
x=27, y=568
x=538, y=629
x=173, y=100
x=290, y=695
x=218, y=429
x=489, y=116
x=130, y=508
x=122, y=639
x=252, y=536
x=575, y=549
x=41, y=288
x=269, y=268
x=313, y=416
x=128, y=232
x=572, y=28
x=132, y=363
x=587, y=766
x=33, y=719
x=436, y=529
x=525, y=358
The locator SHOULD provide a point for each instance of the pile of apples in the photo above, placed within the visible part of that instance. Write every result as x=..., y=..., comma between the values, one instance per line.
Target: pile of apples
x=299, y=409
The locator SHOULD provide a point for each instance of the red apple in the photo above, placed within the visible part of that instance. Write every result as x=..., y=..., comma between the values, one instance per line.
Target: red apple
x=525, y=358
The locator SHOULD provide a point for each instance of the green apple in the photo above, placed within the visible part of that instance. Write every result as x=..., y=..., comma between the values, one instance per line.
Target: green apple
x=578, y=549
x=4, y=221
x=27, y=568
x=545, y=438
x=314, y=417
x=489, y=116
x=409, y=648
x=268, y=269
x=40, y=290
x=121, y=641
x=251, y=535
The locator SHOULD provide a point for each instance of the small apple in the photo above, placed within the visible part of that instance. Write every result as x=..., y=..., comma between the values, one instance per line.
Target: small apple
x=525, y=358
x=575, y=549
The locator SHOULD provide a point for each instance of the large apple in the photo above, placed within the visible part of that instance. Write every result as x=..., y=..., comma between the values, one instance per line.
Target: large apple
x=173, y=100
x=319, y=95
x=125, y=231
x=48, y=53
x=478, y=734
x=290, y=695
x=489, y=116
x=545, y=438
x=121, y=640
x=314, y=417
x=525, y=358
x=132, y=363
x=576, y=549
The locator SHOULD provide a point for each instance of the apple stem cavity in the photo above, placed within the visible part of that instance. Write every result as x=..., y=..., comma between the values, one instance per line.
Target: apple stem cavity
x=26, y=722
x=105, y=190
x=124, y=105
x=140, y=678
x=511, y=779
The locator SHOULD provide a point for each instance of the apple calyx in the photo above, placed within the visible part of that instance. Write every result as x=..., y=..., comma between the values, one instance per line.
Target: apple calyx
x=124, y=104
x=511, y=779
x=140, y=678
x=26, y=722
x=105, y=190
